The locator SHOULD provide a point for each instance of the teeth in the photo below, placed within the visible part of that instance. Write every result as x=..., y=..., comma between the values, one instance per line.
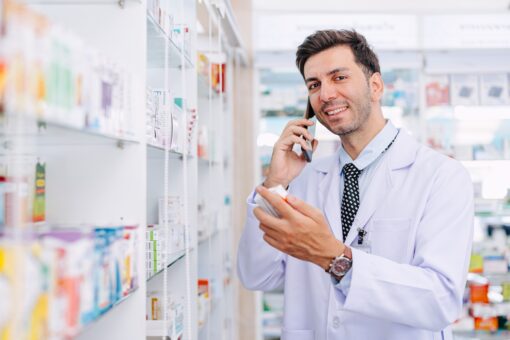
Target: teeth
x=333, y=112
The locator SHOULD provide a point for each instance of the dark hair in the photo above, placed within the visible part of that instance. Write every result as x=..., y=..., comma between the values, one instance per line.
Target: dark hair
x=325, y=39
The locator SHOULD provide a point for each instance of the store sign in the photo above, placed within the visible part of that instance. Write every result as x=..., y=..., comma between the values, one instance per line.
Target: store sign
x=277, y=32
x=466, y=31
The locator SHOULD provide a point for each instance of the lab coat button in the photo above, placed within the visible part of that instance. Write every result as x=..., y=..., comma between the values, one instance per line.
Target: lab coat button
x=336, y=322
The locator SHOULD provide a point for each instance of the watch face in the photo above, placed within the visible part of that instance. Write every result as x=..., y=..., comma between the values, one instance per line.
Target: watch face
x=341, y=266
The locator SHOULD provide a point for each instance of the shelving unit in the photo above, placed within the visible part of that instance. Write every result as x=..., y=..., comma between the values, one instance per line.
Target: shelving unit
x=215, y=68
x=97, y=177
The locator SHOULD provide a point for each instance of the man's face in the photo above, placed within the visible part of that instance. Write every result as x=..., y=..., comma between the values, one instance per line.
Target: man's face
x=339, y=91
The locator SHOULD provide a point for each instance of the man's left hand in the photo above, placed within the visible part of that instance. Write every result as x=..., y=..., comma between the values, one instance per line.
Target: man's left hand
x=301, y=231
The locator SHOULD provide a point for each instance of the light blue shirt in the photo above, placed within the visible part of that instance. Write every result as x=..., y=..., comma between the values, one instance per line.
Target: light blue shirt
x=368, y=161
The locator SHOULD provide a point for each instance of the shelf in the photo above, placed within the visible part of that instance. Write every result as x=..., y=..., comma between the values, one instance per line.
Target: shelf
x=225, y=18
x=272, y=315
x=106, y=312
x=272, y=332
x=494, y=279
x=55, y=133
x=155, y=330
x=121, y=3
x=156, y=38
x=480, y=335
x=207, y=162
x=173, y=259
x=470, y=113
x=156, y=151
x=486, y=163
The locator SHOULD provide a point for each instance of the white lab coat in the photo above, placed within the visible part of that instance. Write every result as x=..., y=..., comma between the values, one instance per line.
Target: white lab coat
x=418, y=212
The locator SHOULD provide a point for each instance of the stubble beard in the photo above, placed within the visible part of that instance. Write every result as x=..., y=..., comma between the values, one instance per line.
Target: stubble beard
x=361, y=112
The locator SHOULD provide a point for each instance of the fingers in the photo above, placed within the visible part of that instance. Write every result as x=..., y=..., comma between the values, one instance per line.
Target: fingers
x=264, y=217
x=297, y=131
x=298, y=140
x=268, y=230
x=299, y=122
x=281, y=206
x=293, y=134
x=304, y=208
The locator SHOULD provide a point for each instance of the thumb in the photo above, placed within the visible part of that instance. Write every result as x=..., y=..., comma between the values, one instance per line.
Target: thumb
x=303, y=207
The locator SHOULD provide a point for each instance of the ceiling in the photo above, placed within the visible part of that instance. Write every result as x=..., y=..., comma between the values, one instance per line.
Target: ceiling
x=384, y=6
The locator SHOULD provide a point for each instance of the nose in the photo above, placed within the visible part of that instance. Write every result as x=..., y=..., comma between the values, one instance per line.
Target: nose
x=328, y=92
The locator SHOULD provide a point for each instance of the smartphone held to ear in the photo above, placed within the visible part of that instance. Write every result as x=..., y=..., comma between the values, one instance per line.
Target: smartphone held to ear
x=309, y=114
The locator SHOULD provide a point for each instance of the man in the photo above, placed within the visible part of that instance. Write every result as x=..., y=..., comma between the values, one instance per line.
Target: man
x=373, y=242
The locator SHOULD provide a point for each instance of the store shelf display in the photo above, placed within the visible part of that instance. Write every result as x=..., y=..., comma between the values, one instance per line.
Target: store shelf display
x=165, y=119
x=207, y=223
x=204, y=302
x=162, y=28
x=161, y=252
x=156, y=325
x=467, y=115
x=54, y=77
x=22, y=181
x=211, y=76
x=78, y=151
x=166, y=241
x=487, y=297
x=437, y=88
x=66, y=279
x=272, y=315
x=401, y=90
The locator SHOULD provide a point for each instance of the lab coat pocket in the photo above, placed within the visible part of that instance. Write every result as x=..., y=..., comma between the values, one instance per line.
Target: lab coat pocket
x=445, y=334
x=390, y=238
x=303, y=334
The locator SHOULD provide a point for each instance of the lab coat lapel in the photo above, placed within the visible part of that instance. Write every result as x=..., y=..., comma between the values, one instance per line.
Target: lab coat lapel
x=329, y=196
x=379, y=188
x=400, y=155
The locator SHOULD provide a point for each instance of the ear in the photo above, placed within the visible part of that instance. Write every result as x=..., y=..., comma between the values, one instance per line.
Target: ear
x=376, y=87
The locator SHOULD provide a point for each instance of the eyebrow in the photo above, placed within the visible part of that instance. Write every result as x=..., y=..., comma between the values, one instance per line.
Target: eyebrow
x=336, y=70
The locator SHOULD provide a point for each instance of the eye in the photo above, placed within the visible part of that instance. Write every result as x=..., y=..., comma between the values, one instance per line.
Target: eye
x=340, y=77
x=313, y=86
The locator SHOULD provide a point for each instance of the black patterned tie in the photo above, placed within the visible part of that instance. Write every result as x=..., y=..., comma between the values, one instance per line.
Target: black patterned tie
x=350, y=198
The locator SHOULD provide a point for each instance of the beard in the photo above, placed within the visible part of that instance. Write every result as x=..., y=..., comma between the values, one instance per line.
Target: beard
x=360, y=110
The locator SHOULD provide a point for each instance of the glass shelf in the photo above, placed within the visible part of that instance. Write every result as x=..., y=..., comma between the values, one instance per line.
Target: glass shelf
x=105, y=313
x=50, y=132
x=156, y=38
x=157, y=151
x=155, y=330
x=173, y=259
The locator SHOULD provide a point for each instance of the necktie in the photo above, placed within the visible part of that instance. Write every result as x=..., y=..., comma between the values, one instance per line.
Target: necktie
x=350, y=198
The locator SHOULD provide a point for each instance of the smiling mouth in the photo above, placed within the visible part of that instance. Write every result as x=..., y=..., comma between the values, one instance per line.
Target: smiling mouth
x=336, y=111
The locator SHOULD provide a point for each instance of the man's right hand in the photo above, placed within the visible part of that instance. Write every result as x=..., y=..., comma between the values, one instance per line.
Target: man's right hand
x=285, y=163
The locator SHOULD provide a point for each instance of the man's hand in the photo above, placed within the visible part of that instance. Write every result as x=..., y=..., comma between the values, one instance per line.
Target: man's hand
x=301, y=232
x=285, y=163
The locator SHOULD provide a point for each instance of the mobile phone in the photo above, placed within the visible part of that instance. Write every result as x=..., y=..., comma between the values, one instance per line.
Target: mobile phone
x=309, y=114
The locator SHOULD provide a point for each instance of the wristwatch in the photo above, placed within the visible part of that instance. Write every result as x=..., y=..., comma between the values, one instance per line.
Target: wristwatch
x=340, y=265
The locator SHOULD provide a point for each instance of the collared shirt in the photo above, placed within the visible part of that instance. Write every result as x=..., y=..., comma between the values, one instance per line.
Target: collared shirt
x=367, y=161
